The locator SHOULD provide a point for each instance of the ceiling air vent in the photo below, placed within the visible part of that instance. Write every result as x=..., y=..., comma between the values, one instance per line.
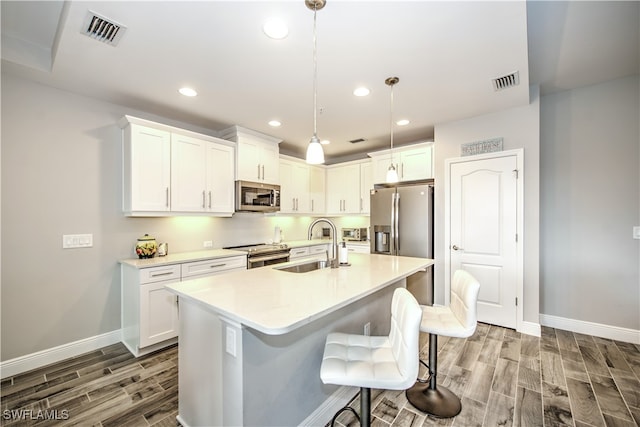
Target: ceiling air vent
x=102, y=29
x=355, y=141
x=506, y=82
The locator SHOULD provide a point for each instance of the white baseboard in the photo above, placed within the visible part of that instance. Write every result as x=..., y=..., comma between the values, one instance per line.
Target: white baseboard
x=530, y=328
x=589, y=328
x=338, y=400
x=31, y=361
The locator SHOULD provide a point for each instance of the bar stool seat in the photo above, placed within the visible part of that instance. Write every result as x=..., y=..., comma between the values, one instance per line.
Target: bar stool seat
x=382, y=362
x=457, y=320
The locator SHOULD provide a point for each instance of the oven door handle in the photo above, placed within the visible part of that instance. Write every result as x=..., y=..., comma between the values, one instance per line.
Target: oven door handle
x=268, y=257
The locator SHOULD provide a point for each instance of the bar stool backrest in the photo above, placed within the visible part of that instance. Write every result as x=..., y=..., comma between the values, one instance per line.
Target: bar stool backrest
x=464, y=297
x=404, y=335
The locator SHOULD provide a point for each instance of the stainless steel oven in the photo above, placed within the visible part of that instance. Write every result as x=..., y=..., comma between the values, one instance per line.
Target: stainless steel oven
x=260, y=255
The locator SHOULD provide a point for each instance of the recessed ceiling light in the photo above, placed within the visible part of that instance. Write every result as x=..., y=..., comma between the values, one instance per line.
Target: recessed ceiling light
x=325, y=142
x=187, y=91
x=361, y=91
x=275, y=29
x=403, y=122
x=274, y=123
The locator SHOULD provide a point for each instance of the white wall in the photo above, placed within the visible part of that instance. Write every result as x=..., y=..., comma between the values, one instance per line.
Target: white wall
x=590, y=181
x=61, y=174
x=519, y=128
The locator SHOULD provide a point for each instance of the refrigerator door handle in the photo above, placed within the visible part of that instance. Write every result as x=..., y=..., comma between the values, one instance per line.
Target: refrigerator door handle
x=396, y=243
x=392, y=240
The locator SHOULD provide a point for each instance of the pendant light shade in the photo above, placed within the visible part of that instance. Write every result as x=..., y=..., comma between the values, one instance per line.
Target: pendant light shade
x=315, y=152
x=392, y=173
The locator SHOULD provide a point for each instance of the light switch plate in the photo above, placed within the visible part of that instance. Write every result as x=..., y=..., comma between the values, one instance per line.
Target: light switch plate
x=70, y=241
x=636, y=232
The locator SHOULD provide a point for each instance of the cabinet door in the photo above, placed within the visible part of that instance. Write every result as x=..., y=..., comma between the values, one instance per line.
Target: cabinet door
x=351, y=185
x=270, y=163
x=334, y=190
x=343, y=189
x=188, y=174
x=366, y=184
x=317, y=190
x=248, y=161
x=158, y=313
x=287, y=188
x=219, y=182
x=380, y=165
x=147, y=169
x=416, y=164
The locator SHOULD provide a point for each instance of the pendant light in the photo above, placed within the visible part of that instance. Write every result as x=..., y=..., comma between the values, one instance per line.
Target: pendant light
x=315, y=153
x=392, y=173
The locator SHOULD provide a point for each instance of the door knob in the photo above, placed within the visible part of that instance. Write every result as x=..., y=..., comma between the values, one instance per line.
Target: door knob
x=456, y=248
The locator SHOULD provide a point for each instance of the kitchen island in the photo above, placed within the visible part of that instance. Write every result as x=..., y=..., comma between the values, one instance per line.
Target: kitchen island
x=251, y=342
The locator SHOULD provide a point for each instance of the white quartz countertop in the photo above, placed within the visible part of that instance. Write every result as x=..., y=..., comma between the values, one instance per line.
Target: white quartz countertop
x=276, y=302
x=182, y=257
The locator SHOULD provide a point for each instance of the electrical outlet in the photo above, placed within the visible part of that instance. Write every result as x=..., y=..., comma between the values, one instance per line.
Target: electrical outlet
x=636, y=232
x=231, y=342
x=208, y=243
x=367, y=328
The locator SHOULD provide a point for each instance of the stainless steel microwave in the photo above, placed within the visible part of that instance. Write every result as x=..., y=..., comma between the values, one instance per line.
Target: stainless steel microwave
x=257, y=197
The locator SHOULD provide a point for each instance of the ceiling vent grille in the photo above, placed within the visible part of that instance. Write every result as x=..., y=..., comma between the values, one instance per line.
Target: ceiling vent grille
x=102, y=29
x=355, y=141
x=506, y=82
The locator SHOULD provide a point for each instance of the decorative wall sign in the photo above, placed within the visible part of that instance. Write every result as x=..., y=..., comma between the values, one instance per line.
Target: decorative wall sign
x=481, y=147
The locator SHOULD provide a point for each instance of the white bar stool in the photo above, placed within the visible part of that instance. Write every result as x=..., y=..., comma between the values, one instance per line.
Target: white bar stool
x=381, y=362
x=458, y=320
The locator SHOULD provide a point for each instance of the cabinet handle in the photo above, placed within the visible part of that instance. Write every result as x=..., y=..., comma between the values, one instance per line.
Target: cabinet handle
x=263, y=172
x=209, y=199
x=401, y=170
x=312, y=208
x=217, y=265
x=167, y=197
x=258, y=171
x=161, y=274
x=297, y=207
x=203, y=199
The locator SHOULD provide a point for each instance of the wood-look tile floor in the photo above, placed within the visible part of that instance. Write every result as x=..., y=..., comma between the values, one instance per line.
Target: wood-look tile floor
x=503, y=378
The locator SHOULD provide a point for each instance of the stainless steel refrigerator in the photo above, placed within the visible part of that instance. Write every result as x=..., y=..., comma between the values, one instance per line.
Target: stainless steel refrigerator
x=401, y=223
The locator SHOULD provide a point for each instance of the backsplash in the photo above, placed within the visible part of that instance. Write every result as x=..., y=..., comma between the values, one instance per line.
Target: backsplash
x=185, y=234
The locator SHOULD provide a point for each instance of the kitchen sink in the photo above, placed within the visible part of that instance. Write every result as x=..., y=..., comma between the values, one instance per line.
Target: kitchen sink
x=304, y=268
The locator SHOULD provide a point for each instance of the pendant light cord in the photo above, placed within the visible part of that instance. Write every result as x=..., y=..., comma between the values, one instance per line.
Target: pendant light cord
x=315, y=73
x=391, y=123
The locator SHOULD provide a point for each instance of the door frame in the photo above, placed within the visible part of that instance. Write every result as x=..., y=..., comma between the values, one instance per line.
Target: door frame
x=519, y=154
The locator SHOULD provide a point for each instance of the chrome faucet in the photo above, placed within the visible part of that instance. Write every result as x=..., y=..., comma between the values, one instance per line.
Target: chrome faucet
x=333, y=262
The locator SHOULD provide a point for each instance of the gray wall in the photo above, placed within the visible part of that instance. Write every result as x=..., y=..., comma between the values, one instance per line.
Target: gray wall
x=519, y=128
x=590, y=201
x=61, y=174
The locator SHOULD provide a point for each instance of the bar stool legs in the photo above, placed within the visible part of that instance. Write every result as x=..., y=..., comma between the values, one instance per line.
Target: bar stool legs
x=437, y=401
x=365, y=409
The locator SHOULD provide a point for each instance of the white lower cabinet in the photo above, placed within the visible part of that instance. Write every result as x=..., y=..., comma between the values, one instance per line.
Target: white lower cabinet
x=158, y=313
x=317, y=251
x=150, y=313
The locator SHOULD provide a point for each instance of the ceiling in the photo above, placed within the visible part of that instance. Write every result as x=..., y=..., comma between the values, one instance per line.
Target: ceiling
x=445, y=53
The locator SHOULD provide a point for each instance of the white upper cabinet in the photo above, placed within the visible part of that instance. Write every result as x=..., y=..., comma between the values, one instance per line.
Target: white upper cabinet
x=345, y=188
x=366, y=184
x=258, y=155
x=294, y=187
x=170, y=170
x=146, y=169
x=317, y=190
x=414, y=162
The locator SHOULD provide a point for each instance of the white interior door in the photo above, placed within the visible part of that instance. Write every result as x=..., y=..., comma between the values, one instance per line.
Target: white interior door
x=483, y=233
